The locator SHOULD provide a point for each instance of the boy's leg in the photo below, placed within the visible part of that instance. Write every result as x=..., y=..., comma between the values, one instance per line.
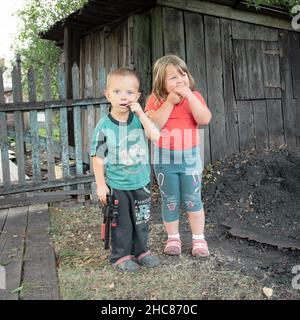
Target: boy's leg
x=141, y=204
x=121, y=236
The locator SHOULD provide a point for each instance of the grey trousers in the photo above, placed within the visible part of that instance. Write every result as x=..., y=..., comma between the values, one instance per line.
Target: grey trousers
x=130, y=237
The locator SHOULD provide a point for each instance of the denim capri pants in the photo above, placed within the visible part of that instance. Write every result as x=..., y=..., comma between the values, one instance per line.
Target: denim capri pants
x=178, y=174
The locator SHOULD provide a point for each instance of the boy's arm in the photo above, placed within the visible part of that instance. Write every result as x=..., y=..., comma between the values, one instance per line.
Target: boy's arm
x=150, y=128
x=102, y=189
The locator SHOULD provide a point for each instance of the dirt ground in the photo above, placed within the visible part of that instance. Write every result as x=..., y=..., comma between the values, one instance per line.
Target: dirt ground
x=257, y=193
x=252, y=204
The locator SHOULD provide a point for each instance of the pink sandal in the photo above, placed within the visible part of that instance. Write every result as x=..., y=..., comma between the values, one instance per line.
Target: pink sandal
x=173, y=247
x=199, y=248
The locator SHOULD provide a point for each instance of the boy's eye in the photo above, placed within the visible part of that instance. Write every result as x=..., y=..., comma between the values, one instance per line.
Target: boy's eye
x=130, y=92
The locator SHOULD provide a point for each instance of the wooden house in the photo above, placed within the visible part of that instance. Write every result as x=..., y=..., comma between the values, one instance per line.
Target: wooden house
x=245, y=63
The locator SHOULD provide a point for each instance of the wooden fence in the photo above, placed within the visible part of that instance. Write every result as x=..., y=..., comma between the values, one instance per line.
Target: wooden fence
x=40, y=151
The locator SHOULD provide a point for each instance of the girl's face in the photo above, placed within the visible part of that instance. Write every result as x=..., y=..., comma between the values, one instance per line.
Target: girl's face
x=175, y=78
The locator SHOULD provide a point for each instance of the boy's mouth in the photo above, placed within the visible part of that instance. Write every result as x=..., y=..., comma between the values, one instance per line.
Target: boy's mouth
x=124, y=104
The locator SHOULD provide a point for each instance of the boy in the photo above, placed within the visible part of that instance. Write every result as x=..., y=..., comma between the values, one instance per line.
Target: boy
x=119, y=149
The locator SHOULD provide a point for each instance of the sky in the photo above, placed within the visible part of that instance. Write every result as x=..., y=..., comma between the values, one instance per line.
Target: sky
x=8, y=29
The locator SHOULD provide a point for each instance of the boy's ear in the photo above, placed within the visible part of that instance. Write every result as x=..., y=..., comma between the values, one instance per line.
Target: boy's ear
x=106, y=93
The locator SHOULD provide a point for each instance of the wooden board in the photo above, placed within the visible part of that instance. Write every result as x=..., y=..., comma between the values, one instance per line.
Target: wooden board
x=229, y=98
x=173, y=32
x=11, y=251
x=156, y=33
x=275, y=123
x=39, y=273
x=260, y=124
x=215, y=88
x=246, y=126
x=271, y=69
x=196, y=61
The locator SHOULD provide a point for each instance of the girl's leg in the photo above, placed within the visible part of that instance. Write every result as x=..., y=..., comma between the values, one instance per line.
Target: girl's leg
x=197, y=222
x=168, y=182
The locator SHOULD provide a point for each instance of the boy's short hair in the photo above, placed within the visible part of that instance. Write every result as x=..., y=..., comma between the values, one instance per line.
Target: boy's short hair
x=123, y=71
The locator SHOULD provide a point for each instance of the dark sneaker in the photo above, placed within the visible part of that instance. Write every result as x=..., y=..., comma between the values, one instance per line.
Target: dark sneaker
x=147, y=260
x=126, y=265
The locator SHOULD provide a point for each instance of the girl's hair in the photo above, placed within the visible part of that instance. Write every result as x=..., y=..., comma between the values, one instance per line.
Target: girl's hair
x=159, y=72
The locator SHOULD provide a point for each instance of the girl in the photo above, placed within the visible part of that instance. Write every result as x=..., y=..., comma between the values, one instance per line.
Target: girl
x=178, y=110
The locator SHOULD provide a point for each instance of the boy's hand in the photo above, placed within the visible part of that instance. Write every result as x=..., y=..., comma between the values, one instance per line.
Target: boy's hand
x=136, y=108
x=102, y=192
x=174, y=98
x=183, y=91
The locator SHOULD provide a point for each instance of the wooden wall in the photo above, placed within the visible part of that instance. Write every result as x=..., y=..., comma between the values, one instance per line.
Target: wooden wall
x=248, y=74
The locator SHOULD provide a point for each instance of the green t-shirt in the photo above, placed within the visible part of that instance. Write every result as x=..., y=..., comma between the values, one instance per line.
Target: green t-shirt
x=124, y=147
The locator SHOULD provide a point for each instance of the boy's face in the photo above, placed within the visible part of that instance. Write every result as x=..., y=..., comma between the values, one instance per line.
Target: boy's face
x=175, y=78
x=121, y=91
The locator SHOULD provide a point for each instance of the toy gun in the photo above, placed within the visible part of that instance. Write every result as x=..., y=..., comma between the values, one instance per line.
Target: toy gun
x=110, y=219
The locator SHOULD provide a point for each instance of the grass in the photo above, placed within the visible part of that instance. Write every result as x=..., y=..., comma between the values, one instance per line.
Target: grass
x=85, y=273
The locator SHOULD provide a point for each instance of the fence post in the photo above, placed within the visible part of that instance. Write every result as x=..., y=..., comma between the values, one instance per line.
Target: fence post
x=4, y=139
x=49, y=125
x=18, y=120
x=77, y=128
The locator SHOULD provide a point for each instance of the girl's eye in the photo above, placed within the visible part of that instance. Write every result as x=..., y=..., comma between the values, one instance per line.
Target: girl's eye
x=116, y=91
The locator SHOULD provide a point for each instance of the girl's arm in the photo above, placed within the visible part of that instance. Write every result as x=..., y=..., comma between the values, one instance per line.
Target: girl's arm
x=161, y=115
x=201, y=113
x=150, y=128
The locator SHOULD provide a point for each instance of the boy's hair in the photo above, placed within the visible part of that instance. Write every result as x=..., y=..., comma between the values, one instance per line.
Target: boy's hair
x=123, y=71
x=159, y=72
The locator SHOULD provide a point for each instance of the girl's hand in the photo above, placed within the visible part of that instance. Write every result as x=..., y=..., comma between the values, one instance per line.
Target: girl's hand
x=183, y=91
x=136, y=108
x=102, y=192
x=174, y=97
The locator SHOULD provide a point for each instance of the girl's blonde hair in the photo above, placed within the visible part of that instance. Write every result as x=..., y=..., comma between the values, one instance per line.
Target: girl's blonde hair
x=159, y=72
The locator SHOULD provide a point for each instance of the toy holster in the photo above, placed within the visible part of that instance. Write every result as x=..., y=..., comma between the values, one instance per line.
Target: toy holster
x=110, y=219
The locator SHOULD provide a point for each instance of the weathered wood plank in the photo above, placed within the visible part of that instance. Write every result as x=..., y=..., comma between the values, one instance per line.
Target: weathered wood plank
x=229, y=98
x=4, y=139
x=295, y=57
x=228, y=12
x=19, y=128
x=77, y=126
x=21, y=200
x=173, y=40
x=288, y=103
x=4, y=151
x=11, y=251
x=90, y=114
x=63, y=125
x=275, y=123
x=195, y=58
x=47, y=92
x=3, y=216
x=215, y=88
x=265, y=34
x=142, y=53
x=156, y=33
x=240, y=70
x=39, y=274
x=271, y=69
x=34, y=128
x=255, y=74
x=243, y=31
x=260, y=124
x=246, y=126
x=48, y=184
